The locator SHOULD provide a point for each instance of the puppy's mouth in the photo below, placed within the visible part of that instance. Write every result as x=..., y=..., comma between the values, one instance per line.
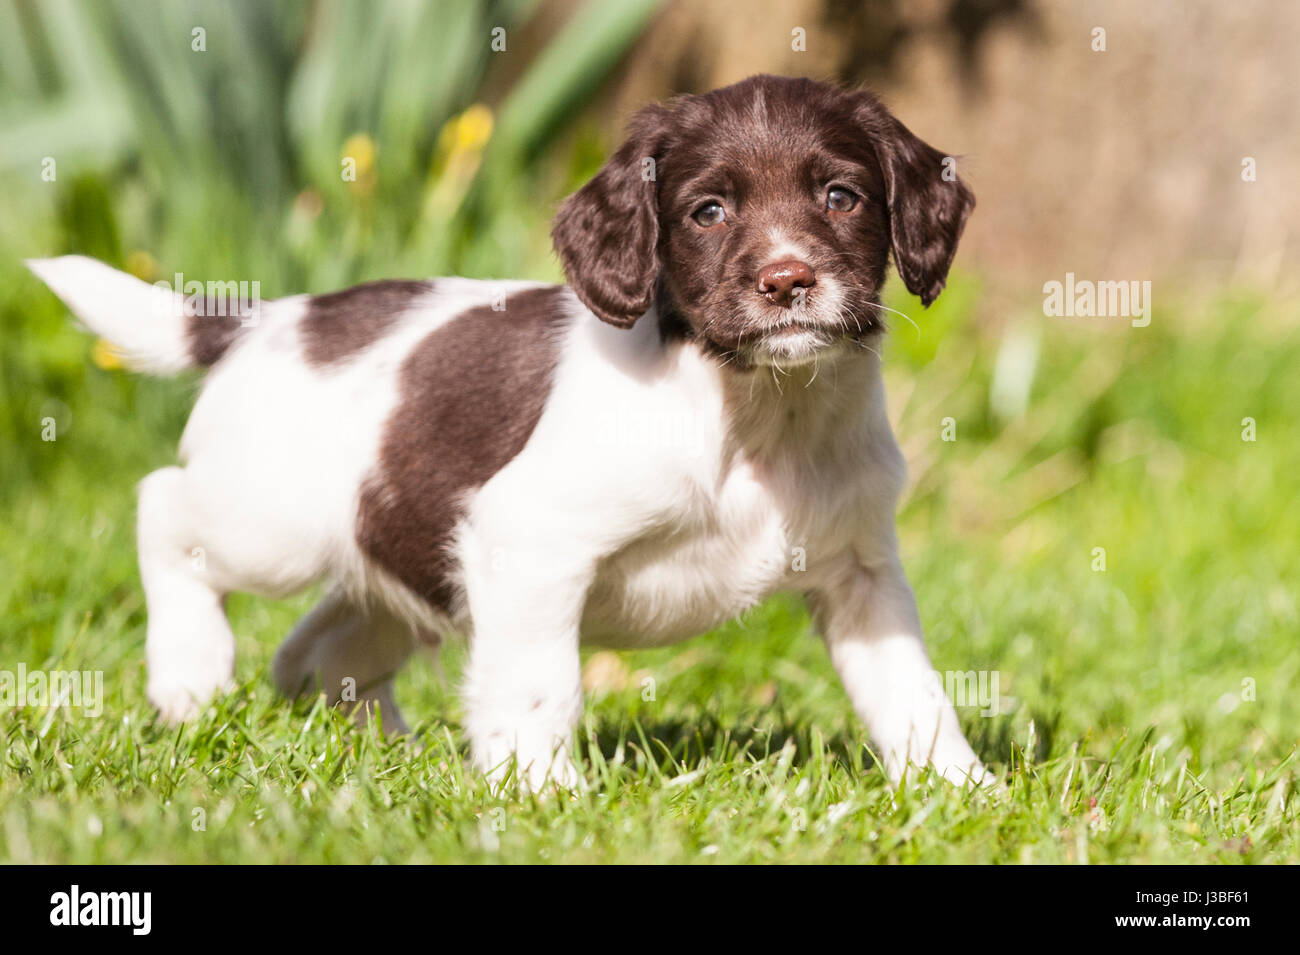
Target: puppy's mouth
x=832, y=319
x=792, y=325
x=794, y=342
x=796, y=335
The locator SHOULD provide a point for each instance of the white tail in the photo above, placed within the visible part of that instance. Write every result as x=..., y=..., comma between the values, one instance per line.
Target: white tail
x=145, y=323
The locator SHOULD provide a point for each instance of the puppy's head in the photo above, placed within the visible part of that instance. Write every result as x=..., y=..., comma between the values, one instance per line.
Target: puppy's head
x=760, y=218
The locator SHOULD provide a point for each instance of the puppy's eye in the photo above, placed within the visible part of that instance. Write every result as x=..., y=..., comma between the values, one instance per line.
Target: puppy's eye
x=841, y=200
x=709, y=214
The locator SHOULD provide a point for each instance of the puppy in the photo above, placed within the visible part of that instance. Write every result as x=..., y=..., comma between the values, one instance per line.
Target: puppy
x=694, y=423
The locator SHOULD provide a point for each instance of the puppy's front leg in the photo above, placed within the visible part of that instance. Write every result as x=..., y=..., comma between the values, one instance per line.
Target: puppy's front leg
x=523, y=687
x=869, y=620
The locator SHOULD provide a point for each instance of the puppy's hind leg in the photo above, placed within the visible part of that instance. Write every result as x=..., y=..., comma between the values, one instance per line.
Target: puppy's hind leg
x=189, y=647
x=349, y=652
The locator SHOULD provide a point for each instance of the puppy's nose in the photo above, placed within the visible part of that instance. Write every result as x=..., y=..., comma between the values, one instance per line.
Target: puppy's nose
x=779, y=280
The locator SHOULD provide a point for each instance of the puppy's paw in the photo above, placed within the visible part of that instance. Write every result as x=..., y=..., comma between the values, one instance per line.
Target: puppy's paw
x=175, y=702
x=563, y=774
x=533, y=769
x=951, y=759
x=973, y=777
x=180, y=697
x=956, y=762
x=381, y=703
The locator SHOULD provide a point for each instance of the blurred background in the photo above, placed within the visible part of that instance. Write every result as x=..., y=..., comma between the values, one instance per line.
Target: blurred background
x=209, y=137
x=215, y=139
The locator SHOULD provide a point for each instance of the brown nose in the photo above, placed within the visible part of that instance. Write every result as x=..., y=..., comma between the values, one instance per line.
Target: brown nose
x=779, y=280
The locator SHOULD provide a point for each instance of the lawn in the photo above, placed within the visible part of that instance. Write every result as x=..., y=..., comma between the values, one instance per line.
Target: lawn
x=1100, y=536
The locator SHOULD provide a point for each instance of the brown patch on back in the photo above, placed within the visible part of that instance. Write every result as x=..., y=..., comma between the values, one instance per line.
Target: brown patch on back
x=470, y=394
x=341, y=324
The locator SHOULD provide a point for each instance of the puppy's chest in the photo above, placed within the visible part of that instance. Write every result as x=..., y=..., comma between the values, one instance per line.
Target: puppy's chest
x=730, y=550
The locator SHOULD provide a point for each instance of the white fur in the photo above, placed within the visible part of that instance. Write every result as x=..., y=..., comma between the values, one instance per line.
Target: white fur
x=658, y=496
x=144, y=321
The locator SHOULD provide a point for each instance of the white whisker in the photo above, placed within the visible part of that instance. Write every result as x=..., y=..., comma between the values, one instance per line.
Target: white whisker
x=886, y=308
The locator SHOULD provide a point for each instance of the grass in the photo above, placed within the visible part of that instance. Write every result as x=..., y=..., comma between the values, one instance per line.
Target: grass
x=1147, y=711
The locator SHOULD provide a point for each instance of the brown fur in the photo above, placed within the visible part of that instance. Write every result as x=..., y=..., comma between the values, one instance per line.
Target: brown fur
x=211, y=335
x=338, y=325
x=470, y=395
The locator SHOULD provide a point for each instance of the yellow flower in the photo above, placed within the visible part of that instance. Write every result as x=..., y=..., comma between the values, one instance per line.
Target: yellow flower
x=106, y=356
x=473, y=128
x=463, y=137
x=142, y=265
x=361, y=149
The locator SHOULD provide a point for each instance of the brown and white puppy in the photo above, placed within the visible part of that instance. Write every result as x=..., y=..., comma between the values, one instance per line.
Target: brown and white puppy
x=694, y=423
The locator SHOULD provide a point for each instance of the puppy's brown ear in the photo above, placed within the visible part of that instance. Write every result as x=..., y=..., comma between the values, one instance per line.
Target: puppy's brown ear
x=927, y=203
x=607, y=233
